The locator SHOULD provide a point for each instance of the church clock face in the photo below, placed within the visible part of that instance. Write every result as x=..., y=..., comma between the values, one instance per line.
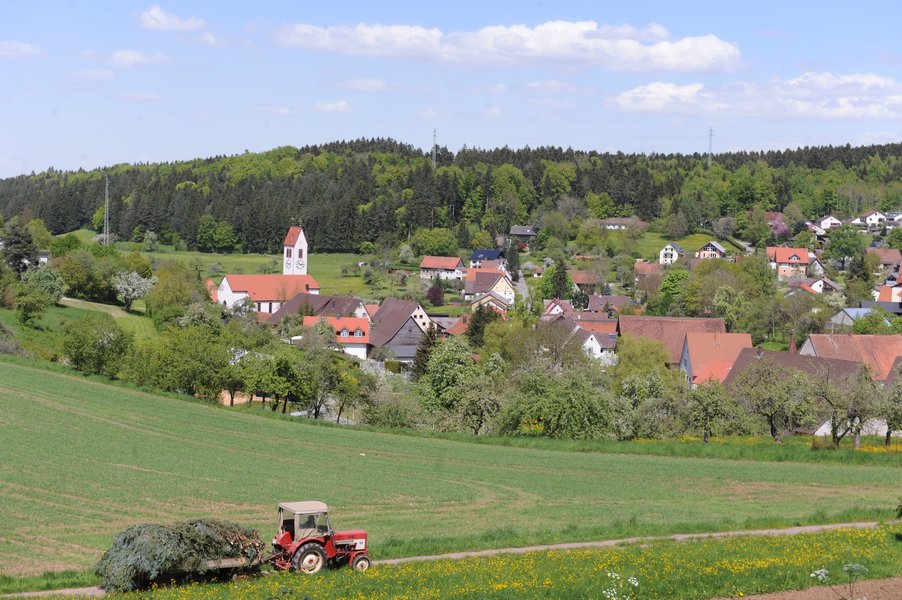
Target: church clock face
x=287, y=263
x=300, y=263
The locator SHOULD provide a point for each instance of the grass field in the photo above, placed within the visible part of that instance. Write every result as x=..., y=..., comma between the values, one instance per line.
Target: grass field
x=663, y=570
x=81, y=460
x=44, y=339
x=139, y=325
x=650, y=244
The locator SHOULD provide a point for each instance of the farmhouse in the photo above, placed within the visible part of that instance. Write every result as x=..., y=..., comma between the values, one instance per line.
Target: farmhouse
x=607, y=303
x=670, y=331
x=701, y=349
x=443, y=267
x=321, y=306
x=478, y=256
x=670, y=253
x=789, y=262
x=523, y=233
x=268, y=292
x=398, y=326
x=890, y=258
x=352, y=334
x=585, y=281
x=876, y=351
x=832, y=368
x=483, y=281
x=711, y=250
x=599, y=346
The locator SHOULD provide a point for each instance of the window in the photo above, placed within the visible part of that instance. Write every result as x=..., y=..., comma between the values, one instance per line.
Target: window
x=300, y=253
x=345, y=333
x=287, y=252
x=358, y=333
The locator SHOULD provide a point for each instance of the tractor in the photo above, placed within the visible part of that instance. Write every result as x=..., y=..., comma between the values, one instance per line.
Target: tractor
x=306, y=541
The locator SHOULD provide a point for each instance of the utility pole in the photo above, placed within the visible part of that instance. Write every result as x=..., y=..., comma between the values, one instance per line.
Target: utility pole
x=434, y=145
x=106, y=211
x=710, y=144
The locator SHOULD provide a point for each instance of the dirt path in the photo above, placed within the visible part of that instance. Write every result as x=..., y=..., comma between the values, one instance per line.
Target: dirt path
x=894, y=591
x=876, y=589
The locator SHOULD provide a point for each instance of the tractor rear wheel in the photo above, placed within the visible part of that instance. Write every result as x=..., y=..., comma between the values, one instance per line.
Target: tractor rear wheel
x=309, y=559
x=361, y=562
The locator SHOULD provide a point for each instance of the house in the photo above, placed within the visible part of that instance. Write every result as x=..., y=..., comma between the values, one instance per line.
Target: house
x=523, y=233
x=478, y=256
x=872, y=219
x=557, y=307
x=893, y=308
x=670, y=253
x=268, y=292
x=821, y=285
x=352, y=334
x=443, y=267
x=711, y=250
x=845, y=318
x=492, y=300
x=602, y=303
x=827, y=223
x=700, y=349
x=483, y=281
x=670, y=331
x=789, y=262
x=642, y=269
x=321, y=306
x=877, y=351
x=890, y=258
x=616, y=223
x=294, y=252
x=888, y=293
x=585, y=281
x=832, y=368
x=398, y=326
x=605, y=326
x=460, y=326
x=599, y=346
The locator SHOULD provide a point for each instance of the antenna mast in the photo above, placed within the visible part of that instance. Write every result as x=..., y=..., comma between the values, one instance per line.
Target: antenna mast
x=434, y=145
x=106, y=212
x=710, y=144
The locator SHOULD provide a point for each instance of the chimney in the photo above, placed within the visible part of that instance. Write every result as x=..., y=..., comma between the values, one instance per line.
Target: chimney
x=792, y=344
x=759, y=353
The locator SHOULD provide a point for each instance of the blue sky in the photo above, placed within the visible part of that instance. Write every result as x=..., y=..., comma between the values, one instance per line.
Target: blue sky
x=85, y=84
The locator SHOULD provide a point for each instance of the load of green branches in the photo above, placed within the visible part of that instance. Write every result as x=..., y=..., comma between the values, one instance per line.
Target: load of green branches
x=144, y=554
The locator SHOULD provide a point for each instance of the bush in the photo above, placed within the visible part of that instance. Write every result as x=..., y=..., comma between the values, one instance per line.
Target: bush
x=96, y=345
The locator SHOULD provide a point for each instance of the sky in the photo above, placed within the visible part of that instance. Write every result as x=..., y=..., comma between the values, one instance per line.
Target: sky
x=94, y=83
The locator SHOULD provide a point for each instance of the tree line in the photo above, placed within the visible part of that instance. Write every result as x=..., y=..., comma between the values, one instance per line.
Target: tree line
x=382, y=191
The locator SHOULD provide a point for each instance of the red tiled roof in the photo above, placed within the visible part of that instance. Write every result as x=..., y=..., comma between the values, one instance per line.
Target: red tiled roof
x=782, y=255
x=647, y=268
x=291, y=238
x=716, y=370
x=448, y=263
x=609, y=326
x=473, y=273
x=371, y=308
x=876, y=351
x=351, y=325
x=887, y=256
x=835, y=369
x=889, y=293
x=705, y=348
x=212, y=290
x=460, y=327
x=273, y=286
x=670, y=331
x=584, y=277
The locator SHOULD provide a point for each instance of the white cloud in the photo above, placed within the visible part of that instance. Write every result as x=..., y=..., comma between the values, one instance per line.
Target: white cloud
x=556, y=103
x=17, y=50
x=139, y=96
x=364, y=84
x=209, y=39
x=93, y=75
x=131, y=58
x=551, y=86
x=492, y=112
x=340, y=106
x=274, y=111
x=814, y=95
x=157, y=18
x=620, y=48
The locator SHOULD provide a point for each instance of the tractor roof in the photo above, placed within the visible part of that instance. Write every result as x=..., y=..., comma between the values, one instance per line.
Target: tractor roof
x=310, y=506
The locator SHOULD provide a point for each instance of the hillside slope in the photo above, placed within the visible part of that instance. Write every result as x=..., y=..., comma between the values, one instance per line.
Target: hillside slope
x=80, y=460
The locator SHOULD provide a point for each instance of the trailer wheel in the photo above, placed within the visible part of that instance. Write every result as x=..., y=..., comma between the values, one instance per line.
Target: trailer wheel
x=309, y=559
x=361, y=562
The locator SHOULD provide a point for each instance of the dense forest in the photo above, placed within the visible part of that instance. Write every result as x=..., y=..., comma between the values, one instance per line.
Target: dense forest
x=345, y=193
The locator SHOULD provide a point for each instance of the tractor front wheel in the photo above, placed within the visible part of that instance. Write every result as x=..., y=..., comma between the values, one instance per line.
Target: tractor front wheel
x=309, y=559
x=361, y=562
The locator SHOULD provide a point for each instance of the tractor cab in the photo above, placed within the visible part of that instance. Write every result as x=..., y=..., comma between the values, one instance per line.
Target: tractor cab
x=306, y=542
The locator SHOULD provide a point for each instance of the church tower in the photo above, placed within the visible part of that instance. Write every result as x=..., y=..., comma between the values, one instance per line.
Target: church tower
x=294, y=252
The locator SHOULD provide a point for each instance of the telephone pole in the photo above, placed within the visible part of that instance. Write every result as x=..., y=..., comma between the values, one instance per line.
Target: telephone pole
x=106, y=211
x=710, y=144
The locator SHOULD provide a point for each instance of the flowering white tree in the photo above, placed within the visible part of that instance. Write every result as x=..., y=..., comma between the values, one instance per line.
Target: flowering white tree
x=131, y=286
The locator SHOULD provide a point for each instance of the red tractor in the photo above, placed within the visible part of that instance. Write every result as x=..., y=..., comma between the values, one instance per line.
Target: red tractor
x=306, y=541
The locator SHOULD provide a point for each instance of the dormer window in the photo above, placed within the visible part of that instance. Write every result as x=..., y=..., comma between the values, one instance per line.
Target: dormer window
x=358, y=333
x=287, y=252
x=345, y=333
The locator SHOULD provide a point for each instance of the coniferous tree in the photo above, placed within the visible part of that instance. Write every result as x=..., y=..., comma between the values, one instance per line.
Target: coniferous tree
x=560, y=285
x=513, y=262
x=19, y=250
x=482, y=316
x=424, y=351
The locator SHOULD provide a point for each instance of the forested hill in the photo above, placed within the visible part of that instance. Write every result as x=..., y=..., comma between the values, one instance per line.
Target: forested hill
x=345, y=193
